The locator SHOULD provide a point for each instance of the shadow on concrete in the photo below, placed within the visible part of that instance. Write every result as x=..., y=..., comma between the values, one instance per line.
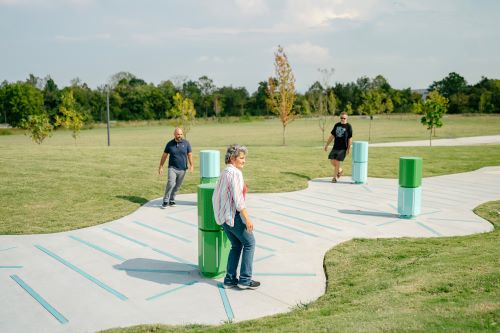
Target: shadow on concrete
x=362, y=212
x=160, y=271
x=132, y=198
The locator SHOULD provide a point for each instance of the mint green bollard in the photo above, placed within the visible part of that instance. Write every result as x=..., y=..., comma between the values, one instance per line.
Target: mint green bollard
x=409, y=202
x=359, y=162
x=209, y=166
x=410, y=190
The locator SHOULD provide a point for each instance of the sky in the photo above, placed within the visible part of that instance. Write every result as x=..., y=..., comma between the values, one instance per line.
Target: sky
x=410, y=43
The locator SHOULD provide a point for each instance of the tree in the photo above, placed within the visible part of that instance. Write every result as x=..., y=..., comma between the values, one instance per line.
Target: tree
x=70, y=118
x=207, y=89
x=21, y=100
x=281, y=90
x=38, y=127
x=183, y=112
x=434, y=107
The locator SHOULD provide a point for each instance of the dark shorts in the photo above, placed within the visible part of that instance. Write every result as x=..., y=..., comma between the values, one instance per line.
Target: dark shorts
x=338, y=155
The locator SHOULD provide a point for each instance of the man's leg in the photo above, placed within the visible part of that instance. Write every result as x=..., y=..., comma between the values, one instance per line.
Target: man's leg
x=336, y=167
x=171, y=182
x=179, y=178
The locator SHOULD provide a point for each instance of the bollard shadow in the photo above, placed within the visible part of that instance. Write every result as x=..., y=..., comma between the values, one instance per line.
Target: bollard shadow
x=161, y=271
x=369, y=213
x=132, y=198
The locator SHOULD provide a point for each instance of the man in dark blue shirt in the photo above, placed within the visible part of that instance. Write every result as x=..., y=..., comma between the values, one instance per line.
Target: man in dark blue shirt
x=341, y=136
x=180, y=154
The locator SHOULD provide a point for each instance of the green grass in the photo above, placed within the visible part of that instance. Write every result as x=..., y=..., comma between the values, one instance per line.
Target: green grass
x=60, y=186
x=449, y=284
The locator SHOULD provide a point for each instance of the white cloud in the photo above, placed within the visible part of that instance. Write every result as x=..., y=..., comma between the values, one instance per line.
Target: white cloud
x=82, y=39
x=252, y=7
x=308, y=53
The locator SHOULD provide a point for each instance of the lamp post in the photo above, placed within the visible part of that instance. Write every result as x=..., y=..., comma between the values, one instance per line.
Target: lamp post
x=107, y=112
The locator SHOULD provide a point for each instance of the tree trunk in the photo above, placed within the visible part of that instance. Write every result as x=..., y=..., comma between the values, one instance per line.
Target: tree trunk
x=370, y=131
x=430, y=138
x=284, y=134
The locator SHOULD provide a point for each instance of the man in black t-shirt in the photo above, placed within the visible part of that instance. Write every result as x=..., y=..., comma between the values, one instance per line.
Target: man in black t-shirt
x=342, y=134
x=180, y=154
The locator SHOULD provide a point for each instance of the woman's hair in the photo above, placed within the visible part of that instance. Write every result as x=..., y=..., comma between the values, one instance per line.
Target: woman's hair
x=234, y=150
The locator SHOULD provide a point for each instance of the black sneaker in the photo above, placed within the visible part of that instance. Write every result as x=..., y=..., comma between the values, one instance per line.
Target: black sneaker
x=164, y=205
x=172, y=203
x=252, y=285
x=230, y=285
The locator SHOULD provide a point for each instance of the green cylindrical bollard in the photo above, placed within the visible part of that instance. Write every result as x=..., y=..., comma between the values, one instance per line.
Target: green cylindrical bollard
x=209, y=163
x=204, y=180
x=213, y=245
x=410, y=172
x=359, y=151
x=206, y=218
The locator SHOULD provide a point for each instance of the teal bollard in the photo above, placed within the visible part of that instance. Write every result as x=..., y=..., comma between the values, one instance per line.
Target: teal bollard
x=209, y=166
x=410, y=190
x=359, y=162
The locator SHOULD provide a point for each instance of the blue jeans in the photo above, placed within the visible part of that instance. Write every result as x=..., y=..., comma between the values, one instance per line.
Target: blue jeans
x=240, y=240
x=174, y=182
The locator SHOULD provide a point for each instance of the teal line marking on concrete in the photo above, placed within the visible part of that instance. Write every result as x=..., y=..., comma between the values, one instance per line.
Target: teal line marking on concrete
x=285, y=274
x=11, y=266
x=317, y=213
x=289, y=228
x=341, y=202
x=430, y=213
x=60, y=318
x=225, y=301
x=306, y=221
x=455, y=220
x=125, y=237
x=82, y=273
x=264, y=258
x=162, y=232
x=265, y=248
x=172, y=256
x=388, y=222
x=274, y=236
x=98, y=248
x=367, y=188
x=182, y=221
x=170, y=291
x=9, y=248
x=147, y=270
x=429, y=228
x=393, y=207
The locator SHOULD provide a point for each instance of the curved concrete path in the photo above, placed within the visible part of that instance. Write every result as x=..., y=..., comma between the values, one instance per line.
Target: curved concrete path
x=141, y=268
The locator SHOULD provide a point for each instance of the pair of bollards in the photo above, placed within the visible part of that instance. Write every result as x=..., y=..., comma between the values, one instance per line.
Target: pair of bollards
x=410, y=178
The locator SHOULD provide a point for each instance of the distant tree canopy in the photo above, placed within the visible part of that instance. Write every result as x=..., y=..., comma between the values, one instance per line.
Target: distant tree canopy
x=131, y=98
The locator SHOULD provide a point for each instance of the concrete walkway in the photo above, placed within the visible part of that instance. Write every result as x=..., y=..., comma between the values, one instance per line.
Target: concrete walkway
x=142, y=268
x=473, y=140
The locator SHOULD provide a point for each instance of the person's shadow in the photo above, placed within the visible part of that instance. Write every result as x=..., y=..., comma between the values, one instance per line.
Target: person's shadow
x=163, y=272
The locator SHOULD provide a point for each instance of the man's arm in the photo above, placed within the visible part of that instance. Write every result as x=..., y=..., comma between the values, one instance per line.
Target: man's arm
x=330, y=139
x=162, y=161
x=349, y=144
x=190, y=161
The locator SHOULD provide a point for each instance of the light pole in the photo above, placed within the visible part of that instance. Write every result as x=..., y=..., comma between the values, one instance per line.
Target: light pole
x=107, y=112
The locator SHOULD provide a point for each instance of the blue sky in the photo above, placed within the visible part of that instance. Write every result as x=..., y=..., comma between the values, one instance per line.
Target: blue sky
x=411, y=43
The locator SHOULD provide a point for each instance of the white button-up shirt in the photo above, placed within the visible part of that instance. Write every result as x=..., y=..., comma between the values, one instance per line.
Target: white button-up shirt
x=228, y=195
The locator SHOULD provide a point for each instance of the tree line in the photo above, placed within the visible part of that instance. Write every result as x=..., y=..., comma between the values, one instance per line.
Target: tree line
x=131, y=98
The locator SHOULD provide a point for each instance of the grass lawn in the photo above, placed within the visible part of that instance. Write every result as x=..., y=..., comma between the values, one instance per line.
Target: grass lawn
x=381, y=285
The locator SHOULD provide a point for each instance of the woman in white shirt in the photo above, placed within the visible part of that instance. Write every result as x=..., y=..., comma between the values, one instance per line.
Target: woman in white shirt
x=231, y=214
